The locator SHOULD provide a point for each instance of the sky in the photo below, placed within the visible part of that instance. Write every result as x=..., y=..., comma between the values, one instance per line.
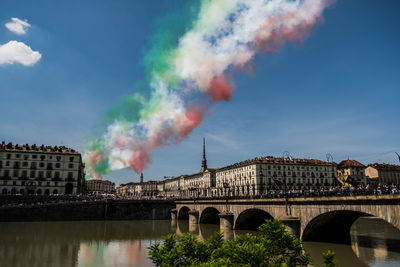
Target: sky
x=336, y=91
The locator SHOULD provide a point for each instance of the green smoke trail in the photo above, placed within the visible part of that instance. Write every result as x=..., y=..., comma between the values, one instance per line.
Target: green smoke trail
x=158, y=59
x=157, y=62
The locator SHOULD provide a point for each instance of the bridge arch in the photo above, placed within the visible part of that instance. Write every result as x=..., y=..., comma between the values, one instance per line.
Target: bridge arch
x=332, y=226
x=251, y=219
x=210, y=215
x=183, y=213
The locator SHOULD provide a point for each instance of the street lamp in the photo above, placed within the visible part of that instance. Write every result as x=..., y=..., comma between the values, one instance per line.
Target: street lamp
x=226, y=186
x=286, y=194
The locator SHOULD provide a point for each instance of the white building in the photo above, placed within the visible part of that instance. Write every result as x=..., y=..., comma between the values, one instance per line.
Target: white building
x=41, y=170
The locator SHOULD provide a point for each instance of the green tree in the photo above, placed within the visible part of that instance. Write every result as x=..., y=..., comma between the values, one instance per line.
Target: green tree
x=273, y=247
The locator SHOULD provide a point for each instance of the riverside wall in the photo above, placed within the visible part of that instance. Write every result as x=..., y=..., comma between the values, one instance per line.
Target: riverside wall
x=97, y=210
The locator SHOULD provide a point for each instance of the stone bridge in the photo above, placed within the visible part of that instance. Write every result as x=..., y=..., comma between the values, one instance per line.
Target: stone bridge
x=324, y=219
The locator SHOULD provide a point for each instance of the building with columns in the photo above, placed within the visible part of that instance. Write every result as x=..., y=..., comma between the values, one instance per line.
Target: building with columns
x=41, y=170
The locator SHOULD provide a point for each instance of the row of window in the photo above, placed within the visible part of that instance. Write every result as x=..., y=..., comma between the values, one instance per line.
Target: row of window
x=34, y=165
x=41, y=157
x=23, y=183
x=32, y=174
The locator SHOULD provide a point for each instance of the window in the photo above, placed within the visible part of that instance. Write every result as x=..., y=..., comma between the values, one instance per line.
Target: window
x=41, y=174
x=6, y=173
x=48, y=174
x=49, y=166
x=25, y=164
x=34, y=156
x=42, y=157
x=70, y=175
x=41, y=164
x=15, y=173
x=7, y=163
x=26, y=157
x=24, y=174
x=71, y=159
x=33, y=165
x=17, y=156
x=32, y=174
x=56, y=175
x=58, y=165
x=8, y=156
x=58, y=158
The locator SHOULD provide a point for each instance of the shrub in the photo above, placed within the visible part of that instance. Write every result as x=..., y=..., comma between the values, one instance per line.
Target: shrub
x=273, y=247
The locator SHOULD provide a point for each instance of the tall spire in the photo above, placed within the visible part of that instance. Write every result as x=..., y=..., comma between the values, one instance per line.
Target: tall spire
x=204, y=160
x=141, y=177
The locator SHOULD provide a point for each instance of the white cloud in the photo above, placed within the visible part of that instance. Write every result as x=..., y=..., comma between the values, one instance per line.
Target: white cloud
x=18, y=52
x=17, y=26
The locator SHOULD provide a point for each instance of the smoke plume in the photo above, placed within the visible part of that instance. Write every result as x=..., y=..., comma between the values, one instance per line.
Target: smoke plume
x=189, y=61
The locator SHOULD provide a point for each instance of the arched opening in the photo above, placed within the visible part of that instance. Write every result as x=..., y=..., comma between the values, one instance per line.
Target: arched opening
x=68, y=188
x=47, y=192
x=183, y=213
x=331, y=227
x=4, y=191
x=210, y=215
x=251, y=219
x=13, y=191
x=39, y=191
x=55, y=192
x=22, y=191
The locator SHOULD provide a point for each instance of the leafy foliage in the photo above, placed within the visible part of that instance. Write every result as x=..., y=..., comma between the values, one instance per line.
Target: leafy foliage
x=329, y=259
x=273, y=247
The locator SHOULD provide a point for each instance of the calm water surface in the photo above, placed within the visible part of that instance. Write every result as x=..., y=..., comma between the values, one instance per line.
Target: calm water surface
x=124, y=243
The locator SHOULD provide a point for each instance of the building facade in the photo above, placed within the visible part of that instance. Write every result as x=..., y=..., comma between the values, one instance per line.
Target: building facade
x=383, y=173
x=95, y=186
x=41, y=170
x=247, y=178
x=352, y=172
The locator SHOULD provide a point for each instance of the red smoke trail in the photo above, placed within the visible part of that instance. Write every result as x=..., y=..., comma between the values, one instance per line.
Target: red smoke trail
x=219, y=89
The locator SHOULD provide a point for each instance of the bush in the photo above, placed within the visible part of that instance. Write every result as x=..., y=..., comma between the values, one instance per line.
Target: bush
x=273, y=247
x=329, y=259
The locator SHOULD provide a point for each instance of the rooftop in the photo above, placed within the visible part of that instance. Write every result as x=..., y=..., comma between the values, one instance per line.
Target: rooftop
x=385, y=167
x=350, y=163
x=35, y=148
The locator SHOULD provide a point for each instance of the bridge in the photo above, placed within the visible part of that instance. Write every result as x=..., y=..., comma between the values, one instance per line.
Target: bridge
x=323, y=219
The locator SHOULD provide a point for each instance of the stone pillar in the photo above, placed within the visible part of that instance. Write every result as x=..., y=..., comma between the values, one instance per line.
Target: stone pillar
x=174, y=214
x=226, y=220
x=193, y=217
x=292, y=225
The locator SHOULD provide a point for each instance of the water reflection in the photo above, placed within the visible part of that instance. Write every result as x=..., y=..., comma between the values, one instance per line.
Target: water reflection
x=124, y=243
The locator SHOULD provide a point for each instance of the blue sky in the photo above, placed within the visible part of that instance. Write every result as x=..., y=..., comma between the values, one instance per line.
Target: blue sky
x=337, y=92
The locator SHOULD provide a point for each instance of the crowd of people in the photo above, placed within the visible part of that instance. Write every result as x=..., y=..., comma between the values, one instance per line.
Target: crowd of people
x=333, y=191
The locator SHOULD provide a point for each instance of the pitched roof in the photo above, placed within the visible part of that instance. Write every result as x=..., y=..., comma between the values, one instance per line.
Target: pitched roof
x=350, y=163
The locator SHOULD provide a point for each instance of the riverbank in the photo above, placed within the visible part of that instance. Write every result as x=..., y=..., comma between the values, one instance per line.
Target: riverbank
x=97, y=210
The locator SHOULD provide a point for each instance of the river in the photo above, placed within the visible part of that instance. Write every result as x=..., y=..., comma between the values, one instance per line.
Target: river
x=124, y=243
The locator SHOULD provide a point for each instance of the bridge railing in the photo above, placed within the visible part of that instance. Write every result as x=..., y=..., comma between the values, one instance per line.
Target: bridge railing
x=311, y=193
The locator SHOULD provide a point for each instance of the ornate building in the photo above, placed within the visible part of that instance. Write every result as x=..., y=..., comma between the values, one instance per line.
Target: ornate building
x=352, y=172
x=41, y=170
x=99, y=187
